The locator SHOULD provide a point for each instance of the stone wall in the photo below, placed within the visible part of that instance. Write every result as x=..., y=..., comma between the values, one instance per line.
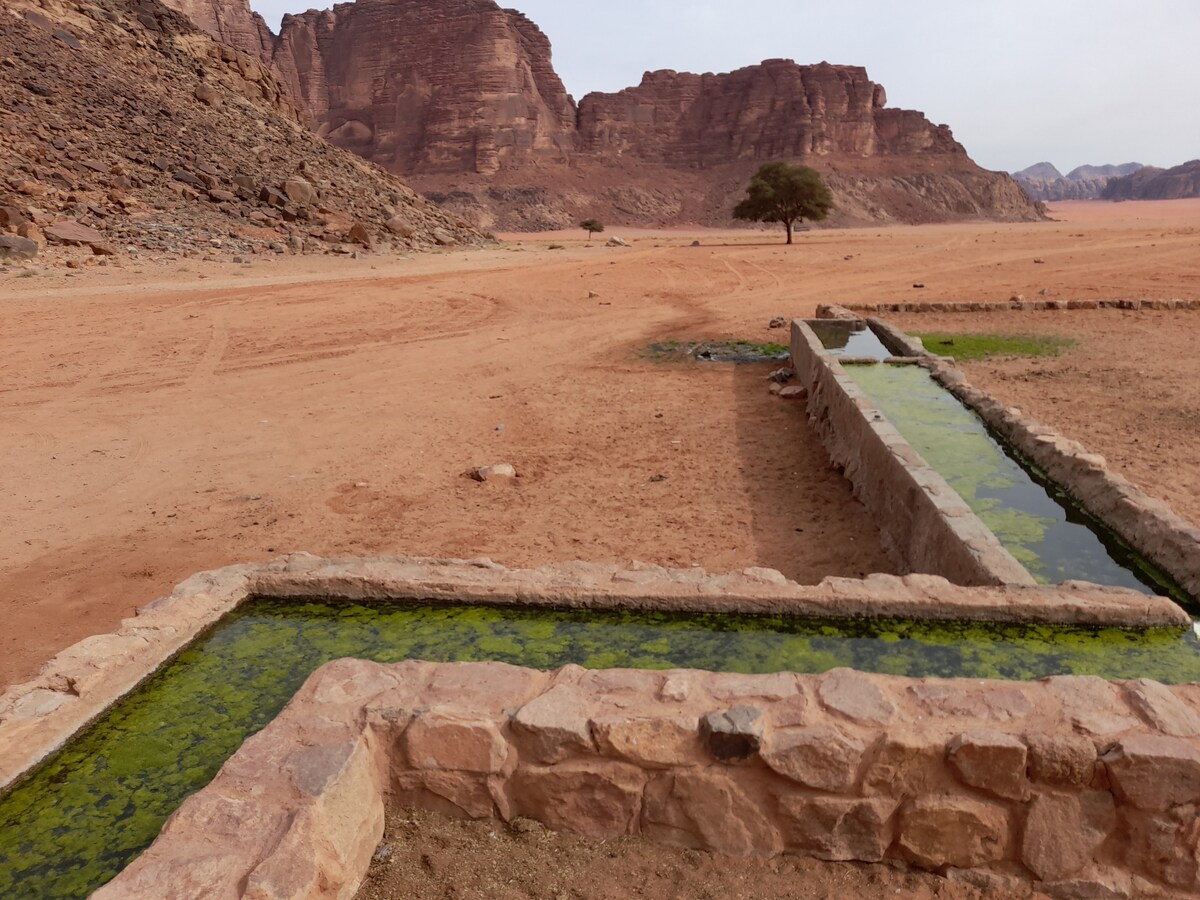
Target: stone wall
x=828, y=311
x=1076, y=786
x=923, y=523
x=1149, y=525
x=38, y=716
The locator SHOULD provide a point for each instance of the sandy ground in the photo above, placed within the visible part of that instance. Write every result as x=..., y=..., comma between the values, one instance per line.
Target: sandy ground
x=429, y=857
x=163, y=420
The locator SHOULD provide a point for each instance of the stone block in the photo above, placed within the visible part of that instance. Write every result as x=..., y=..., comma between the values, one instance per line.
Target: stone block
x=735, y=686
x=1165, y=846
x=1092, y=705
x=707, y=810
x=597, y=799
x=990, y=761
x=953, y=831
x=837, y=828
x=819, y=757
x=1154, y=772
x=734, y=735
x=907, y=764
x=457, y=794
x=659, y=742
x=855, y=696
x=453, y=742
x=995, y=702
x=554, y=726
x=1062, y=759
x=1063, y=832
x=1159, y=706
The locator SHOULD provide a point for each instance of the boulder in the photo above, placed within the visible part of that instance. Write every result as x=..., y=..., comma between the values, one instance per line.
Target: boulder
x=72, y=233
x=401, y=226
x=299, y=191
x=208, y=95
x=358, y=234
x=615, y=241
x=14, y=247
x=496, y=472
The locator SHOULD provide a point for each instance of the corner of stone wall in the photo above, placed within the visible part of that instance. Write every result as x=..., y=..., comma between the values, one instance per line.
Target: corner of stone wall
x=923, y=522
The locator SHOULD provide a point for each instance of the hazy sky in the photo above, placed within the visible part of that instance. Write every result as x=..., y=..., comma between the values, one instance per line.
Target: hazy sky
x=1019, y=81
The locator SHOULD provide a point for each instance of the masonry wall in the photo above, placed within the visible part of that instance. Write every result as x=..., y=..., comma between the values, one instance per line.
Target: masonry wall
x=1076, y=786
x=923, y=523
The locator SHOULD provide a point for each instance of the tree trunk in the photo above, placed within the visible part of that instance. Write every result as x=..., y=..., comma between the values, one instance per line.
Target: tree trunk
x=788, y=226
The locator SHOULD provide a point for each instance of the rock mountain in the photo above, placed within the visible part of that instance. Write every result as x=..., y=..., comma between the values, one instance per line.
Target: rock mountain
x=1178, y=183
x=461, y=98
x=125, y=130
x=1044, y=182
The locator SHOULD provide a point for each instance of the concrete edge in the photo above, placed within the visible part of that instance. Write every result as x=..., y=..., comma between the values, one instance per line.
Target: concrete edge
x=1149, y=525
x=926, y=526
x=827, y=311
x=77, y=686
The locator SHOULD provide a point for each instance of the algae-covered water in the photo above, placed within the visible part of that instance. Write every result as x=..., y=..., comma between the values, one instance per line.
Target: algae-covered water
x=78, y=820
x=1034, y=519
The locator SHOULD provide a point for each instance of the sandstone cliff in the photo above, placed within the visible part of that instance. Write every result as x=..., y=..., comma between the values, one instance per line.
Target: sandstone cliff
x=461, y=98
x=126, y=131
x=1179, y=183
x=458, y=86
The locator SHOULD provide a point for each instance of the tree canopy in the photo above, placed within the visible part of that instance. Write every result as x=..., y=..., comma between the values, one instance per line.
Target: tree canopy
x=592, y=226
x=788, y=194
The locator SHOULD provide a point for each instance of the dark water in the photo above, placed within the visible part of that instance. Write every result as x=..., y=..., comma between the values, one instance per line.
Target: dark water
x=849, y=338
x=90, y=810
x=1036, y=522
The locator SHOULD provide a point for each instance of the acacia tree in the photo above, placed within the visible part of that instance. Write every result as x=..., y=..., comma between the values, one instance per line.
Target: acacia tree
x=591, y=226
x=788, y=194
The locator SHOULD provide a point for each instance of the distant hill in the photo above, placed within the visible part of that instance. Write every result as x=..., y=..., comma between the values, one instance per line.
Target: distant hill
x=1087, y=172
x=1044, y=181
x=1151, y=183
x=1042, y=171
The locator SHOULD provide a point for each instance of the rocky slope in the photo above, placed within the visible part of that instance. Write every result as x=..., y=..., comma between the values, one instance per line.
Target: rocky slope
x=1044, y=182
x=461, y=97
x=125, y=131
x=1178, y=183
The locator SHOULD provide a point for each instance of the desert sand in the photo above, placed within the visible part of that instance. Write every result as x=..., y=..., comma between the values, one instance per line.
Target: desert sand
x=168, y=418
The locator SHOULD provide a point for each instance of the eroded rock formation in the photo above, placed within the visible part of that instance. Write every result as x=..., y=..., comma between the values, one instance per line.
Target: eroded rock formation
x=428, y=86
x=461, y=97
x=125, y=130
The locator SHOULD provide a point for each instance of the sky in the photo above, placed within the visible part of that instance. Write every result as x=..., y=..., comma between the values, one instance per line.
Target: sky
x=1072, y=82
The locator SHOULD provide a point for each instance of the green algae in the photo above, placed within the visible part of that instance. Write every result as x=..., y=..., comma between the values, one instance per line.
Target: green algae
x=966, y=347
x=1034, y=519
x=77, y=821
